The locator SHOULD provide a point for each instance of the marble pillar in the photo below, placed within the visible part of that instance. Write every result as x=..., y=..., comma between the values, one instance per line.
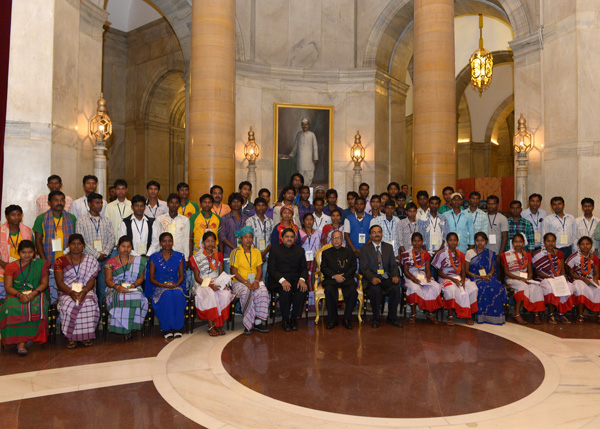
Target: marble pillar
x=211, y=152
x=434, y=105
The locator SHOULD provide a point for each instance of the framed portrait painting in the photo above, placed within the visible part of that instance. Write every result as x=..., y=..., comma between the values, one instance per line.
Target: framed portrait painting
x=303, y=144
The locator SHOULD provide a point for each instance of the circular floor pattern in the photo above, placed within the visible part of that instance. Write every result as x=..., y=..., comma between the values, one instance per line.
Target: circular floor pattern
x=414, y=372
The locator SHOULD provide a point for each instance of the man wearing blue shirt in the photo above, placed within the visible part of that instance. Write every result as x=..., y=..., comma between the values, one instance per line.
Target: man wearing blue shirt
x=356, y=226
x=460, y=222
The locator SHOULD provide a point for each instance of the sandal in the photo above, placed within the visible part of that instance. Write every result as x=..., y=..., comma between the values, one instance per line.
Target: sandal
x=519, y=319
x=563, y=319
x=412, y=320
x=87, y=343
x=536, y=320
x=432, y=318
x=212, y=331
x=71, y=345
x=220, y=331
x=470, y=322
x=552, y=319
x=450, y=321
x=580, y=319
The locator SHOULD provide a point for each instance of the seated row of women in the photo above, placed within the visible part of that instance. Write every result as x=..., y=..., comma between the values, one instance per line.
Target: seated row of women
x=471, y=287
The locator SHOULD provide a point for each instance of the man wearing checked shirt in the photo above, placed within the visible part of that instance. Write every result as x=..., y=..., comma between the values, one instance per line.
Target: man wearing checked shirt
x=480, y=222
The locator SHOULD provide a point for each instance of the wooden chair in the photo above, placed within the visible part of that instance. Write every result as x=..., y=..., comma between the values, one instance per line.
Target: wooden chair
x=320, y=291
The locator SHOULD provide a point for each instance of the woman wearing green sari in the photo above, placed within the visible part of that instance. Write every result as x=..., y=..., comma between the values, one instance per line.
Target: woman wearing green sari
x=24, y=312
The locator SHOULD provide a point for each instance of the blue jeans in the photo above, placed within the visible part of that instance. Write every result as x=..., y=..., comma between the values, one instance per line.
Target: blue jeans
x=101, y=283
x=226, y=266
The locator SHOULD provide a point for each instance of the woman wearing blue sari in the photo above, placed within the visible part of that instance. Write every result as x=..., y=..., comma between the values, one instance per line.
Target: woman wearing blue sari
x=166, y=276
x=481, y=268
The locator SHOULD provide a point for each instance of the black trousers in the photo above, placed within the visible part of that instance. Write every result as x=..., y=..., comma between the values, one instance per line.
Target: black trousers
x=331, y=300
x=294, y=298
x=376, y=292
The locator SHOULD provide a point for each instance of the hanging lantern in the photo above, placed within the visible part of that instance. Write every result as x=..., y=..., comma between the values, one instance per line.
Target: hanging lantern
x=482, y=64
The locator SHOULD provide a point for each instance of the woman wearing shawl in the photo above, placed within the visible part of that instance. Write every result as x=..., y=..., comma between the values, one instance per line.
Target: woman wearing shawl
x=125, y=301
x=287, y=221
x=24, y=312
x=167, y=274
x=12, y=232
x=421, y=288
x=481, y=268
x=212, y=301
x=246, y=266
x=549, y=262
x=460, y=293
x=583, y=269
x=518, y=272
x=75, y=275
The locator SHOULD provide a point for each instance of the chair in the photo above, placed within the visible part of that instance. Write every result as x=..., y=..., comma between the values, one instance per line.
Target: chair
x=320, y=291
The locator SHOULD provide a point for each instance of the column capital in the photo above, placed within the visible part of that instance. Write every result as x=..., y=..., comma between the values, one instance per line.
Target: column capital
x=392, y=84
x=526, y=45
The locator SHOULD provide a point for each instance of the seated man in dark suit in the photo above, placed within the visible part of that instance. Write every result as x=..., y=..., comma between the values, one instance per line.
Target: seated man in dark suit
x=380, y=273
x=288, y=272
x=338, y=265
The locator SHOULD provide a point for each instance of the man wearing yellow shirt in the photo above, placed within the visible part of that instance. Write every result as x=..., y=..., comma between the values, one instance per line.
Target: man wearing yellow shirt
x=52, y=231
x=204, y=221
x=188, y=208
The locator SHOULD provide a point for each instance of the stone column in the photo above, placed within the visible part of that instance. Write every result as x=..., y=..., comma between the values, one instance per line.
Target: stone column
x=434, y=99
x=211, y=157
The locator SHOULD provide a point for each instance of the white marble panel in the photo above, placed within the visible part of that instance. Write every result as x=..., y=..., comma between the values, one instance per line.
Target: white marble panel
x=272, y=32
x=304, y=43
x=337, y=38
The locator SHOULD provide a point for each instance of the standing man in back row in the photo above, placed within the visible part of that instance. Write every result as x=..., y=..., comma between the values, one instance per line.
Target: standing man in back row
x=307, y=150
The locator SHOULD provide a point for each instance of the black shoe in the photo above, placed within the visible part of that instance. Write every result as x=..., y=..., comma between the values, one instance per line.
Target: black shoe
x=332, y=325
x=294, y=325
x=262, y=328
x=375, y=324
x=286, y=326
x=247, y=331
x=347, y=324
x=395, y=323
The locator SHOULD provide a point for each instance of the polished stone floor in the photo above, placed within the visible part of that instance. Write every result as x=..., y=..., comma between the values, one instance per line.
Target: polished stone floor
x=420, y=376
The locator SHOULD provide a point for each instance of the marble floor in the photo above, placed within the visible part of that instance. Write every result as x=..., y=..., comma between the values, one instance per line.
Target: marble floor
x=419, y=376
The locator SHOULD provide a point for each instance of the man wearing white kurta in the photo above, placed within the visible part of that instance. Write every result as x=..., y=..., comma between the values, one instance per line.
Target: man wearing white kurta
x=305, y=146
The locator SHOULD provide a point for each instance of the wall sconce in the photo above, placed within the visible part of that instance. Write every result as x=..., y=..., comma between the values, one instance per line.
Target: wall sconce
x=100, y=130
x=251, y=152
x=522, y=144
x=357, y=154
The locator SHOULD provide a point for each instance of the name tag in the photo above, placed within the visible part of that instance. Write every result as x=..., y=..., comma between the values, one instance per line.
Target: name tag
x=380, y=272
x=523, y=275
x=98, y=245
x=492, y=238
x=564, y=238
x=310, y=256
x=538, y=237
x=76, y=287
x=126, y=285
x=421, y=277
x=262, y=245
x=140, y=248
x=436, y=239
x=362, y=238
x=251, y=277
x=482, y=272
x=171, y=228
x=458, y=237
x=57, y=245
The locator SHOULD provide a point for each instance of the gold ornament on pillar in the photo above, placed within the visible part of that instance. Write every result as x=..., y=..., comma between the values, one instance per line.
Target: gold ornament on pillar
x=357, y=154
x=522, y=141
x=482, y=64
x=251, y=152
x=100, y=125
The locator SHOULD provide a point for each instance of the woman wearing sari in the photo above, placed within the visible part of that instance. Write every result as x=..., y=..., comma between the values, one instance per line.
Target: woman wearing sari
x=287, y=221
x=246, y=266
x=166, y=275
x=583, y=269
x=549, y=262
x=518, y=272
x=75, y=276
x=12, y=232
x=460, y=293
x=125, y=301
x=421, y=288
x=24, y=312
x=311, y=243
x=481, y=268
x=212, y=301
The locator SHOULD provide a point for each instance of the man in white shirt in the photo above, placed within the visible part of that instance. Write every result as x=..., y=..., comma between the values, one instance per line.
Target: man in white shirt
x=141, y=229
x=536, y=216
x=119, y=209
x=176, y=224
x=423, y=204
x=154, y=206
x=80, y=206
x=586, y=225
x=307, y=150
x=390, y=226
x=321, y=219
x=54, y=184
x=562, y=225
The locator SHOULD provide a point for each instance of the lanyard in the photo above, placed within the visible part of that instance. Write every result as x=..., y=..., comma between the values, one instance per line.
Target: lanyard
x=456, y=221
x=476, y=214
x=207, y=221
x=387, y=226
x=57, y=225
x=237, y=227
x=435, y=224
x=140, y=232
x=535, y=222
x=155, y=210
x=320, y=223
x=28, y=272
x=249, y=260
x=76, y=269
x=361, y=222
x=126, y=268
x=96, y=226
x=517, y=225
x=184, y=207
x=263, y=227
x=562, y=222
x=492, y=223
x=410, y=228
x=591, y=228
x=11, y=240
x=121, y=213
x=309, y=238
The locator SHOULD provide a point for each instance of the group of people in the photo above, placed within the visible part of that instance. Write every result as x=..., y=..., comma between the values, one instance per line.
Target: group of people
x=128, y=255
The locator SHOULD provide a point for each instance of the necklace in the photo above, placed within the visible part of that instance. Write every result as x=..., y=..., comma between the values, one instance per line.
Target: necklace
x=415, y=259
x=210, y=259
x=556, y=271
x=522, y=263
x=587, y=270
x=457, y=266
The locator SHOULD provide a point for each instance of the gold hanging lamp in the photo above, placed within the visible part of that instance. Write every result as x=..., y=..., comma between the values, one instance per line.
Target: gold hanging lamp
x=482, y=64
